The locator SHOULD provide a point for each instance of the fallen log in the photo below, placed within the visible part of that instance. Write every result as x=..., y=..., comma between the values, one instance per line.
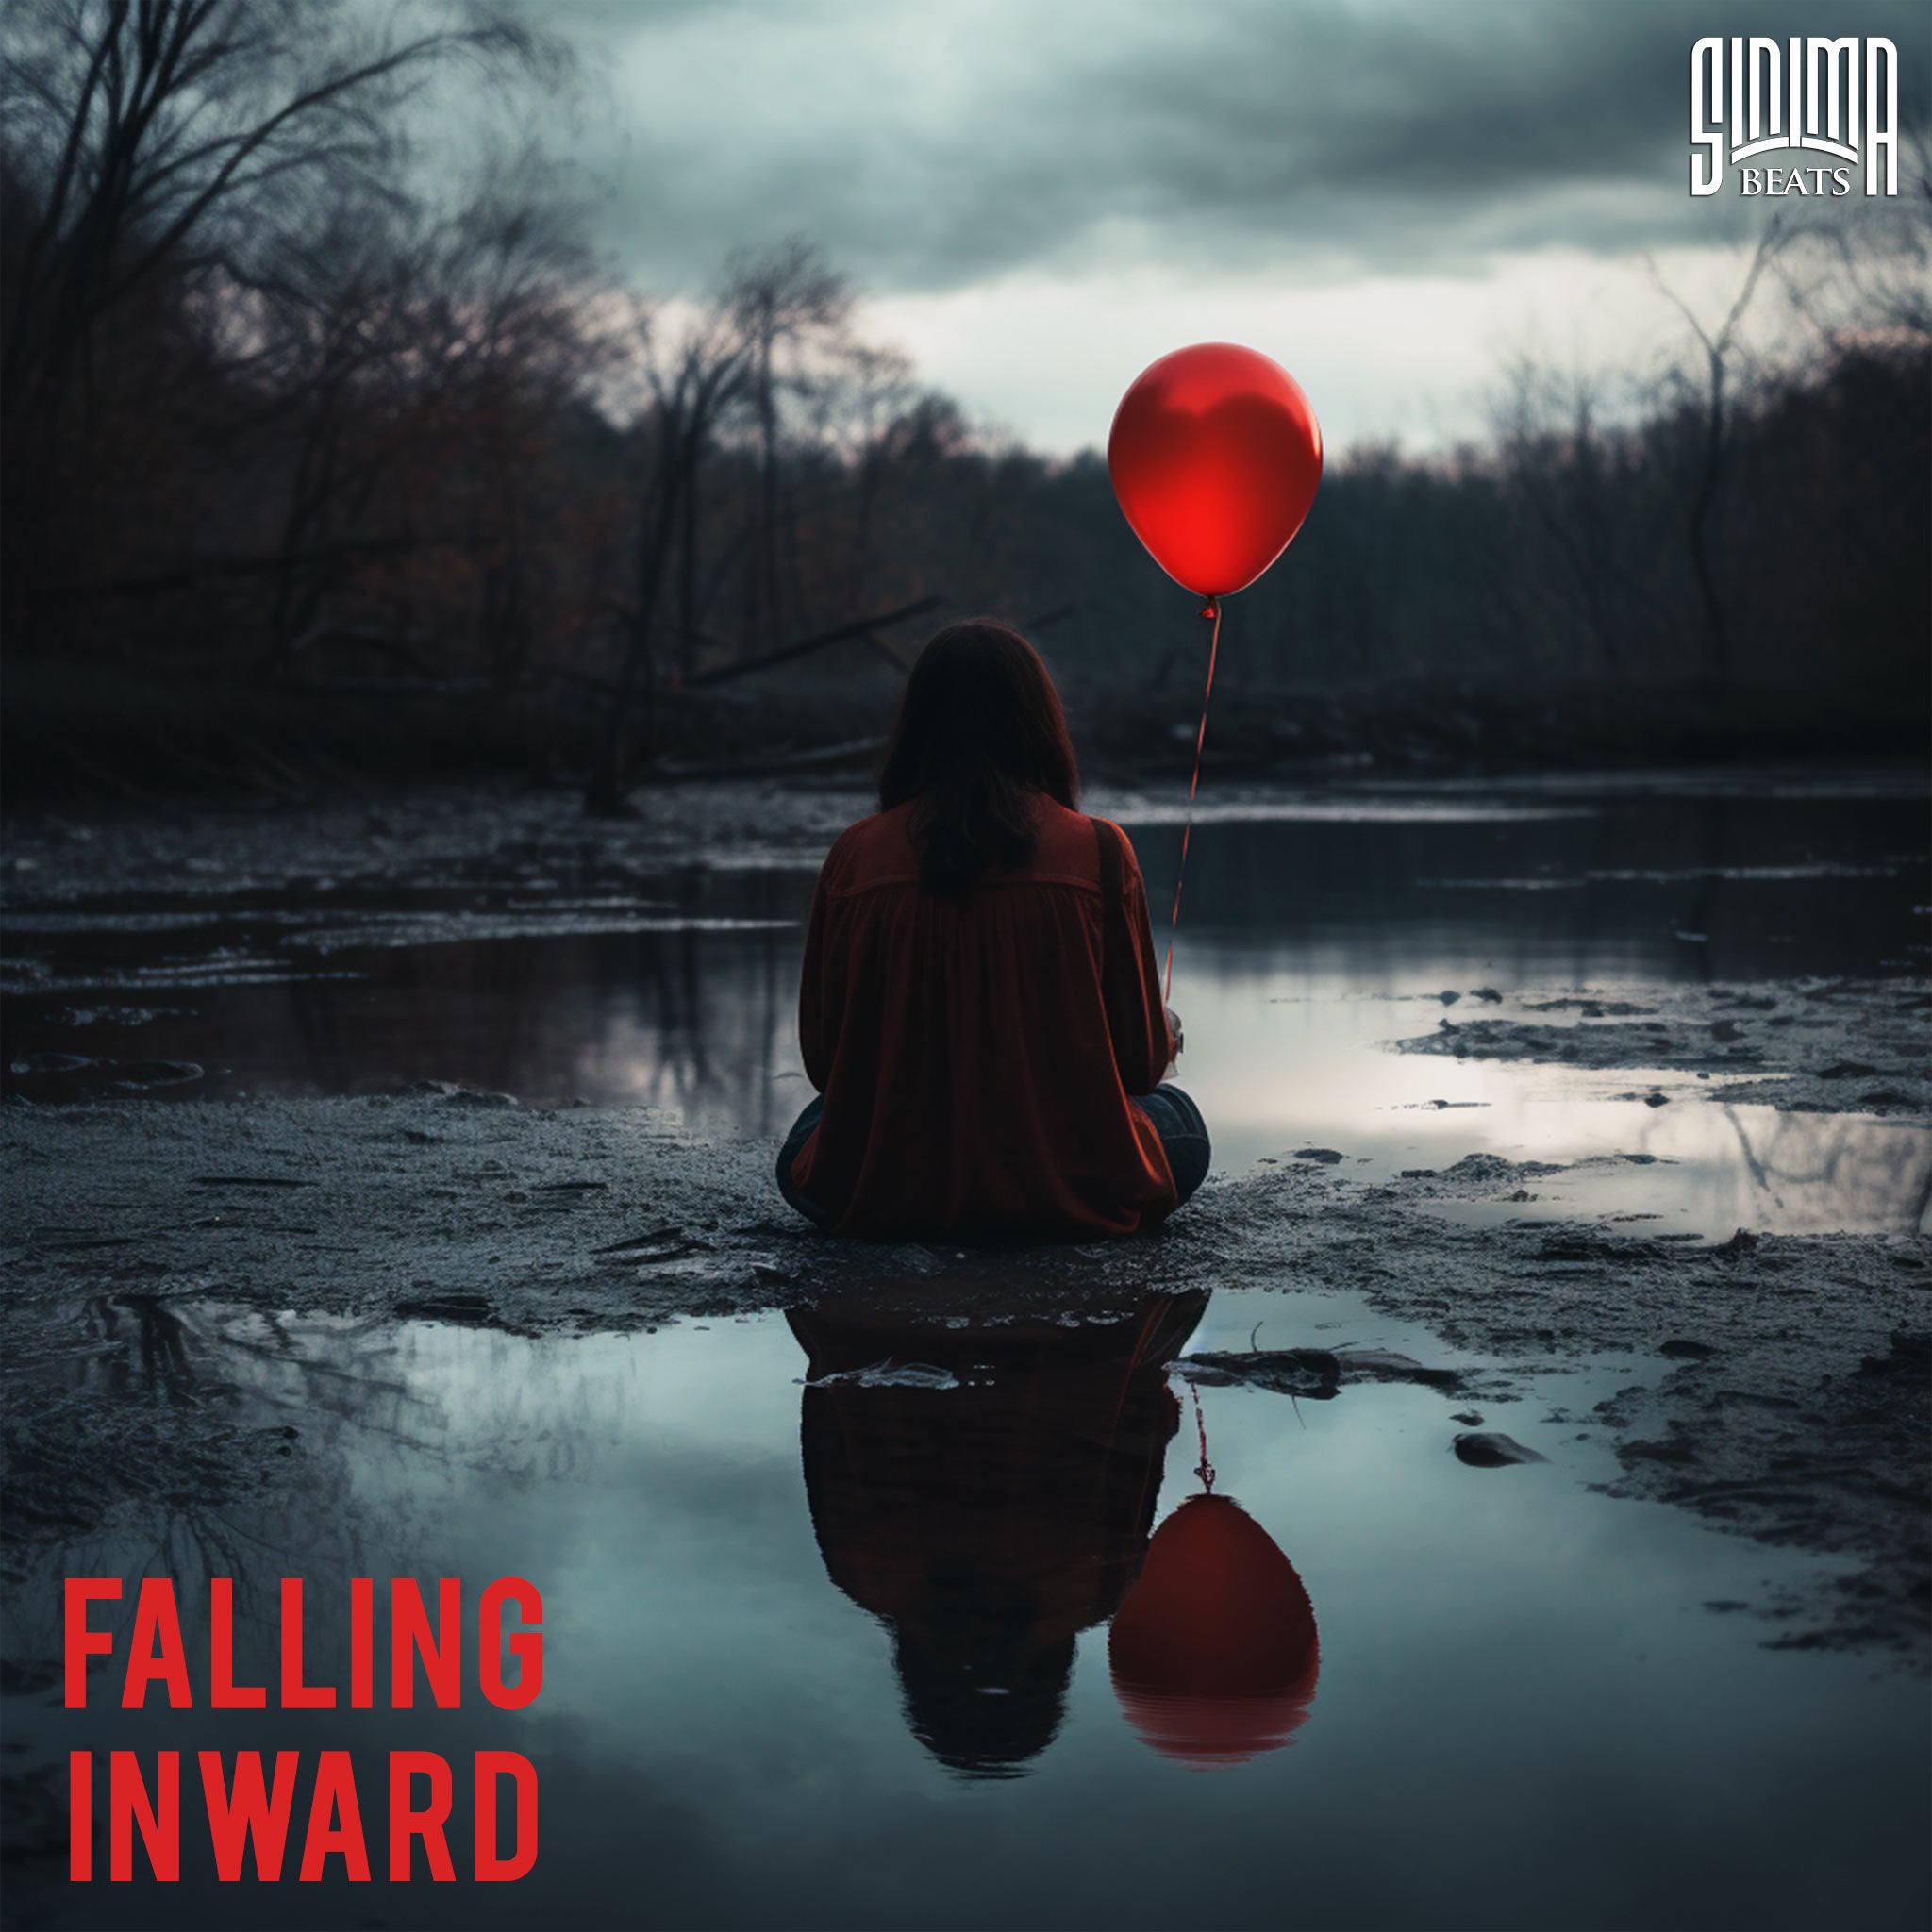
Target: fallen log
x=799, y=647
x=817, y=758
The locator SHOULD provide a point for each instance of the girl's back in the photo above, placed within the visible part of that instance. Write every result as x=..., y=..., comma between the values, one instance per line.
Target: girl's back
x=976, y=1050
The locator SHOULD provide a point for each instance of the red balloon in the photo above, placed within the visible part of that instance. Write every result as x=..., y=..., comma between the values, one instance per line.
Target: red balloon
x=1215, y=455
x=1214, y=1653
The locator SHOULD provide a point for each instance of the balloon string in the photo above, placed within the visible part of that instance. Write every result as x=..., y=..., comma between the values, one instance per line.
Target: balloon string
x=1204, y=1470
x=1212, y=612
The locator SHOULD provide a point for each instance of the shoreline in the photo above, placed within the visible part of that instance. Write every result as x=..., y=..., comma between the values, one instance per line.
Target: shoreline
x=1784, y=1392
x=1788, y=1399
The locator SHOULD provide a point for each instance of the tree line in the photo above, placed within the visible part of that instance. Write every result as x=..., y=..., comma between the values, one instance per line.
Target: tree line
x=338, y=445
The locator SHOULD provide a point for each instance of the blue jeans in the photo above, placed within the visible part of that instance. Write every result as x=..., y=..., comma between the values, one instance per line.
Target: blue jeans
x=1183, y=1135
x=1176, y=1120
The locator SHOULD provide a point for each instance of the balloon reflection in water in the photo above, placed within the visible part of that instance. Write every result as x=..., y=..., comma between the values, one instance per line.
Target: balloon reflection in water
x=1214, y=1652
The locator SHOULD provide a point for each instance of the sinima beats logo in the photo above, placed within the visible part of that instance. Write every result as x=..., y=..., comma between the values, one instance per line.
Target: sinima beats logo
x=1793, y=99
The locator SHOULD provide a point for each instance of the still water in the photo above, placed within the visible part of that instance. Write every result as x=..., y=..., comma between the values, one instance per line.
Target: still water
x=829, y=1596
x=1317, y=927
x=830, y=1648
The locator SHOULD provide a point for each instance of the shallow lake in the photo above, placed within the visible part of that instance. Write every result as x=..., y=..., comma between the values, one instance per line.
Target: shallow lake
x=830, y=1648
x=827, y=1597
x=1316, y=927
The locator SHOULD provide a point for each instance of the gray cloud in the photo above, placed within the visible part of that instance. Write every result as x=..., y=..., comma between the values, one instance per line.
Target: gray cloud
x=930, y=145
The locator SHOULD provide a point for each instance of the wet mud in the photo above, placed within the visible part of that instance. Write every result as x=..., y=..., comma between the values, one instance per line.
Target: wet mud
x=1784, y=1392
x=1778, y=1383
x=1819, y=1045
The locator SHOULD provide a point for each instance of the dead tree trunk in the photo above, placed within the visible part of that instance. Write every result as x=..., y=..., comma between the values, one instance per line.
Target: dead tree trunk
x=1701, y=528
x=609, y=787
x=1703, y=510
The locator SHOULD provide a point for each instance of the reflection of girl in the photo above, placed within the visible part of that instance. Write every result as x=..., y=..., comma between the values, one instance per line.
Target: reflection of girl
x=980, y=1008
x=987, y=1521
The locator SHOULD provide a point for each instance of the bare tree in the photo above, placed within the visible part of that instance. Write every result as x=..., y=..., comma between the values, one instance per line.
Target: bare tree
x=702, y=376
x=1554, y=463
x=1866, y=263
x=149, y=140
x=780, y=302
x=1720, y=349
x=869, y=389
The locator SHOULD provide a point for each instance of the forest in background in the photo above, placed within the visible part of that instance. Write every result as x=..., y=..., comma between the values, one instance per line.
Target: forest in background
x=322, y=456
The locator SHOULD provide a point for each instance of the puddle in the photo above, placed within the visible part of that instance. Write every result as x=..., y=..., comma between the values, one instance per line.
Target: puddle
x=1318, y=928
x=831, y=1648
x=840, y=1616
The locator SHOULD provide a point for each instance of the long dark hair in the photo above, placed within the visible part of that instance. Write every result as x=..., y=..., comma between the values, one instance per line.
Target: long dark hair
x=979, y=732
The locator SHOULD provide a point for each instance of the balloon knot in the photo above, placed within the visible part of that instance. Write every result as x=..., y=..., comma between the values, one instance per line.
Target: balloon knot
x=1211, y=609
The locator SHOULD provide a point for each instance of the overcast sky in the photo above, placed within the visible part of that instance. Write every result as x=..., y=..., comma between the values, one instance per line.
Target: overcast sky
x=1037, y=198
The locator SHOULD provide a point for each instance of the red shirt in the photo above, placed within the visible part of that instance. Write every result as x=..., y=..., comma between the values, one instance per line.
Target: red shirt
x=974, y=1053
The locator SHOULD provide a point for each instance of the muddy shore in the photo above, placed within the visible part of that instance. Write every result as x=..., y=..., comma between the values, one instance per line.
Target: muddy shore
x=1785, y=1394
x=1787, y=1397
x=1816, y=1045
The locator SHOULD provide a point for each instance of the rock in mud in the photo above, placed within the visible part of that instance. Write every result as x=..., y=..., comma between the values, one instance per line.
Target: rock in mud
x=138, y=1074
x=893, y=1374
x=1482, y=1450
x=50, y=1063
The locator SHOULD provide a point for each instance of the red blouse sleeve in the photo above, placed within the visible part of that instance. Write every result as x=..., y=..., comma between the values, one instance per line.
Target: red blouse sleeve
x=1136, y=1015
x=821, y=992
